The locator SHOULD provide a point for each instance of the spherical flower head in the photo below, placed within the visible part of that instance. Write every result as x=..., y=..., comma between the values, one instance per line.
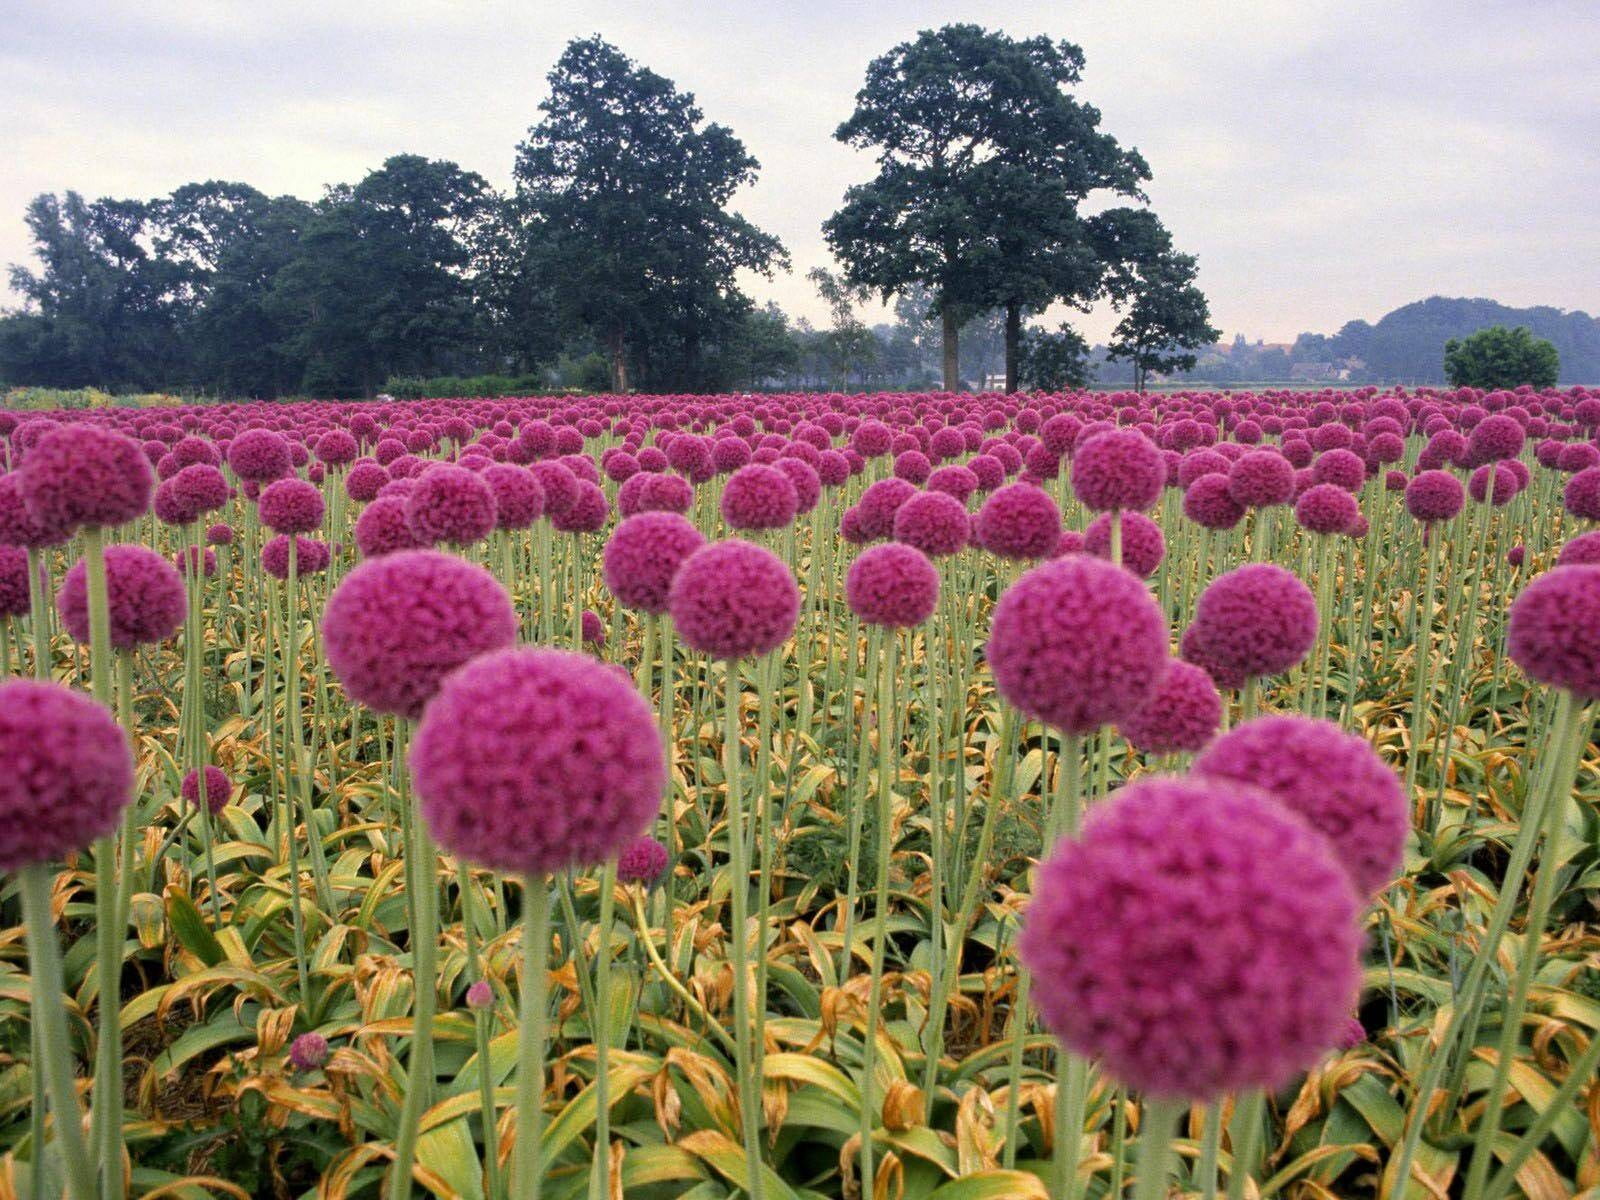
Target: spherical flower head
x=144, y=592
x=337, y=447
x=759, y=497
x=259, y=456
x=1070, y=542
x=833, y=468
x=68, y=772
x=1019, y=521
x=642, y=555
x=518, y=498
x=644, y=861
x=1552, y=630
x=1180, y=716
x=1193, y=649
x=450, y=504
x=190, y=557
x=18, y=526
x=879, y=504
x=1435, y=495
x=934, y=522
x=291, y=506
x=871, y=439
x=1077, y=643
x=892, y=585
x=364, y=481
x=1517, y=555
x=1256, y=620
x=397, y=625
x=807, y=482
x=80, y=476
x=1326, y=508
x=1577, y=456
x=480, y=996
x=1494, y=438
x=1583, y=550
x=310, y=556
x=988, y=470
x=1118, y=469
x=1261, y=479
x=1209, y=502
x=1495, y=484
x=586, y=514
x=1581, y=497
x=382, y=528
x=218, y=788
x=1334, y=780
x=536, y=760
x=1341, y=468
x=650, y=491
x=1143, y=546
x=190, y=494
x=559, y=483
x=308, y=1052
x=955, y=481
x=593, y=628
x=220, y=534
x=1197, y=939
x=912, y=466
x=14, y=590
x=732, y=599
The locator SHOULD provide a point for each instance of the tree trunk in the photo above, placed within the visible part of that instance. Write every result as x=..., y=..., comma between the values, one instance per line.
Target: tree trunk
x=952, y=351
x=619, y=364
x=1013, y=344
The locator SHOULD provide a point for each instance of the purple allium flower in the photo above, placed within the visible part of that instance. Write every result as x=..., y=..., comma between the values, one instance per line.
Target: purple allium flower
x=893, y=585
x=1577, y=456
x=642, y=555
x=1209, y=502
x=807, y=482
x=1447, y=448
x=871, y=439
x=534, y=760
x=732, y=599
x=382, y=528
x=480, y=996
x=518, y=498
x=450, y=504
x=1354, y=1034
x=644, y=861
x=1552, y=635
x=18, y=527
x=220, y=534
x=143, y=591
x=1143, y=546
x=1199, y=463
x=879, y=504
x=1583, y=550
x=14, y=590
x=833, y=468
x=1070, y=542
x=1077, y=643
x=1496, y=484
x=308, y=1052
x=1493, y=439
x=759, y=497
x=934, y=522
x=1582, y=495
x=1255, y=620
x=311, y=557
x=1334, y=780
x=1180, y=716
x=1517, y=555
x=650, y=491
x=395, y=626
x=1019, y=521
x=593, y=628
x=1198, y=939
x=1435, y=496
x=1340, y=468
x=956, y=481
x=1261, y=479
x=68, y=772
x=364, y=481
x=337, y=447
x=194, y=491
x=1119, y=469
x=79, y=476
x=559, y=483
x=191, y=557
x=218, y=789
x=291, y=506
x=1326, y=508
x=259, y=456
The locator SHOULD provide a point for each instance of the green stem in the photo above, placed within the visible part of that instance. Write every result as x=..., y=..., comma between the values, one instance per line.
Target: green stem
x=600, y=1027
x=871, y=1103
x=1248, y=1115
x=527, y=1171
x=749, y=1100
x=1155, y=1147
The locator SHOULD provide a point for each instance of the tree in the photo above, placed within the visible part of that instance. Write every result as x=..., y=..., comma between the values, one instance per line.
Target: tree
x=621, y=195
x=984, y=157
x=1167, y=318
x=1498, y=357
x=1055, y=362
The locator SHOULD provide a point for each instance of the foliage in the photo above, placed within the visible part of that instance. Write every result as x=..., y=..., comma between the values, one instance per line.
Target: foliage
x=1498, y=357
x=1054, y=362
x=1167, y=318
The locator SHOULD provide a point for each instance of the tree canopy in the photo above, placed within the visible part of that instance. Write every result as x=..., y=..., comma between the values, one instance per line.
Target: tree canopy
x=1498, y=357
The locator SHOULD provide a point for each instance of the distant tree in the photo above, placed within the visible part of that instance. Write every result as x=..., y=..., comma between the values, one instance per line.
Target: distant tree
x=1054, y=361
x=622, y=194
x=1167, y=319
x=1498, y=357
x=764, y=350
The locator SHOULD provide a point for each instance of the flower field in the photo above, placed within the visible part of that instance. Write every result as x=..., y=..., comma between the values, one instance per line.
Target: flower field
x=790, y=796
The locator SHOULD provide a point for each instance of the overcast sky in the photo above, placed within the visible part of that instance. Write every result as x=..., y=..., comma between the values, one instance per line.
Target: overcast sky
x=1324, y=160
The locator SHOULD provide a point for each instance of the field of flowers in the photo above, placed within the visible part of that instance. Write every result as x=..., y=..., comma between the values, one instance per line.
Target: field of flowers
x=906, y=796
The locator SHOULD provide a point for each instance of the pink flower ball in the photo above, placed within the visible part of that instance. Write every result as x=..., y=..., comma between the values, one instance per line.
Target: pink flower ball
x=759, y=497
x=337, y=447
x=259, y=456
x=1261, y=479
x=1496, y=484
x=1494, y=438
x=1019, y=521
x=1181, y=715
x=1332, y=779
x=559, y=483
x=1256, y=620
x=1077, y=643
x=1435, y=496
x=586, y=514
x=955, y=481
x=649, y=491
x=1583, y=550
x=364, y=480
x=395, y=626
x=1326, y=508
x=807, y=482
x=1340, y=468
x=732, y=599
x=934, y=522
x=191, y=556
x=308, y=1052
x=1209, y=503
x=79, y=476
x=450, y=504
x=1552, y=632
x=1143, y=546
x=642, y=555
x=1197, y=939
x=1118, y=469
x=892, y=585
x=879, y=504
x=68, y=772
x=311, y=557
x=382, y=528
x=593, y=629
x=533, y=760
x=18, y=527
x=218, y=789
x=220, y=534
x=644, y=861
x=14, y=591
x=194, y=491
x=144, y=592
x=1070, y=542
x=291, y=506
x=1582, y=495
x=518, y=498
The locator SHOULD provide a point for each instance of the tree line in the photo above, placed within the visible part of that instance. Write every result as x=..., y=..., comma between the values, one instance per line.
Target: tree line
x=613, y=261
